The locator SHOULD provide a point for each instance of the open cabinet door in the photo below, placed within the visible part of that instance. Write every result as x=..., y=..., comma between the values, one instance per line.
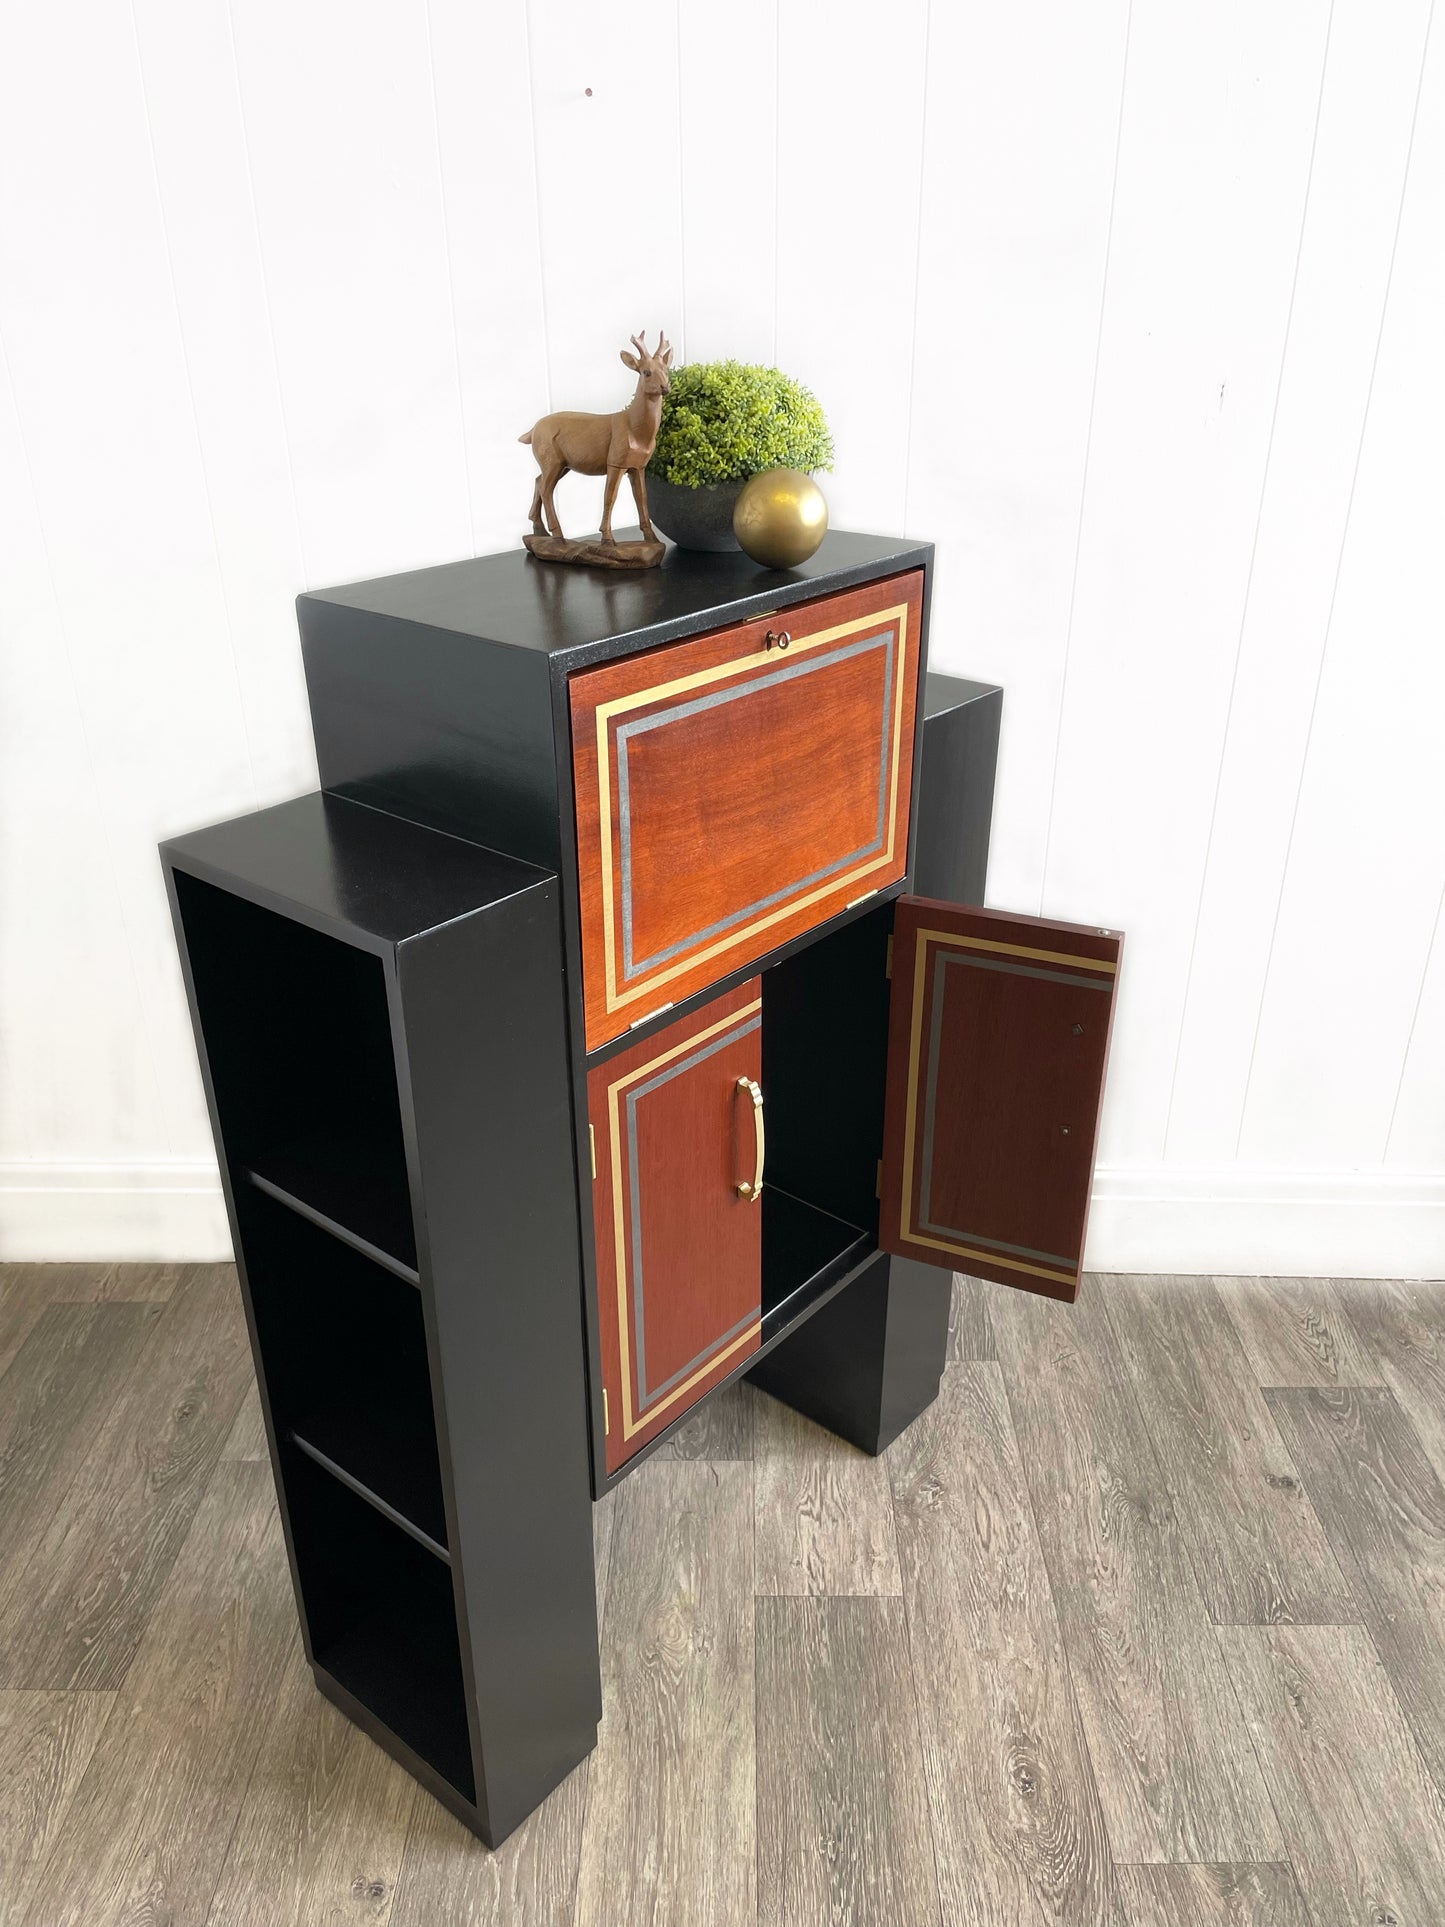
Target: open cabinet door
x=998, y=1037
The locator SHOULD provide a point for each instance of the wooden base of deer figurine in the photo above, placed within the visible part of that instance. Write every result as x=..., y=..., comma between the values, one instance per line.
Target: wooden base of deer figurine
x=610, y=445
x=595, y=553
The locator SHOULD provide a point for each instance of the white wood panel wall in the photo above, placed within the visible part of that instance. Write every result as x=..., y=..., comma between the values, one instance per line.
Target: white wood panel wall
x=1135, y=309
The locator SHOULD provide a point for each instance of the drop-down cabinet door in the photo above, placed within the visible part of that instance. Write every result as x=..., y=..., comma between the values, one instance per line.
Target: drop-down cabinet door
x=737, y=789
x=997, y=1044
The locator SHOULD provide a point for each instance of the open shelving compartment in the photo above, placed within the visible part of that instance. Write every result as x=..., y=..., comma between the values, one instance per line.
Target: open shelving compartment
x=300, y=1053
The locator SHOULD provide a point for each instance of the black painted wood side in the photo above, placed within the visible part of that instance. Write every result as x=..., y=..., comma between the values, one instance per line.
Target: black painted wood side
x=955, y=793
x=869, y=1362
x=479, y=1011
x=312, y=937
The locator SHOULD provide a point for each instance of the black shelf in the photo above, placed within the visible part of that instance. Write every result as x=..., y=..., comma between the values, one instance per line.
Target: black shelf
x=384, y=1450
x=805, y=1252
x=400, y=1658
x=349, y=1187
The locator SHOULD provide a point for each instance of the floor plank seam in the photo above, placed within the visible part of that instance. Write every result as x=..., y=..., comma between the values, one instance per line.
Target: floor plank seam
x=1190, y=1571
x=908, y=1630
x=1410, y=1720
x=1079, y=1722
x=223, y=1860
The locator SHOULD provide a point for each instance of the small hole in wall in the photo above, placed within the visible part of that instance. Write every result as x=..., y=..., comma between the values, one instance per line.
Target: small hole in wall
x=588, y=92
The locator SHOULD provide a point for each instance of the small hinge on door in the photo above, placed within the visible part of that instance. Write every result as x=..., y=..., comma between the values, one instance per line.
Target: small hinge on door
x=606, y=1415
x=878, y=1192
x=592, y=1142
x=888, y=965
x=638, y=1022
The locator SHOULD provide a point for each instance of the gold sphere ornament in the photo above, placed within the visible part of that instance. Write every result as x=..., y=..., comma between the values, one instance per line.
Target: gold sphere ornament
x=780, y=518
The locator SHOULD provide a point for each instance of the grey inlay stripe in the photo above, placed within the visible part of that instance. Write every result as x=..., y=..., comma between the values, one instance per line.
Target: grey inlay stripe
x=634, y=1204
x=935, y=1032
x=632, y=967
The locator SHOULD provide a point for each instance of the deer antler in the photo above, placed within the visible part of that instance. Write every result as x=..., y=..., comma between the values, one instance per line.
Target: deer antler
x=663, y=344
x=639, y=342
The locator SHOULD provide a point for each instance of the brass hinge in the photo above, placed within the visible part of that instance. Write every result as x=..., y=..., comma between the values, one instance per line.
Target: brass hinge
x=606, y=1415
x=638, y=1022
x=592, y=1142
x=878, y=1193
x=888, y=966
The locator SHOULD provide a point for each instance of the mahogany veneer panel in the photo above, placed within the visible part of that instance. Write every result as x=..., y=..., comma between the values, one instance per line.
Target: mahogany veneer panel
x=732, y=795
x=679, y=1253
x=998, y=1039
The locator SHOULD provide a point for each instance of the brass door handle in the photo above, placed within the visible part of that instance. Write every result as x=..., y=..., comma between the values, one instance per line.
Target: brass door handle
x=777, y=638
x=755, y=1189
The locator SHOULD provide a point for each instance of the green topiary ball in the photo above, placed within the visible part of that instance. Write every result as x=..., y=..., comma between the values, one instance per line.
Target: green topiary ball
x=726, y=420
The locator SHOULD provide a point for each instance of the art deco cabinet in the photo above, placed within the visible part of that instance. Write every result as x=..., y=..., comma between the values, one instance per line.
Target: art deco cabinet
x=619, y=1019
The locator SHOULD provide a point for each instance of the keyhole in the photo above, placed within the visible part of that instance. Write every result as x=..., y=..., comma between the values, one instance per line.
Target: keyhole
x=1078, y=1030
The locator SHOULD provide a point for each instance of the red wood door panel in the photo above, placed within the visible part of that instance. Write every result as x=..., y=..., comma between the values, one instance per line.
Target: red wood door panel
x=679, y=1251
x=997, y=1045
x=733, y=793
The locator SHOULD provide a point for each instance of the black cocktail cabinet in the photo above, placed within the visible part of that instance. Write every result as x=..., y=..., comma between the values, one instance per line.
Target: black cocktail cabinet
x=618, y=1020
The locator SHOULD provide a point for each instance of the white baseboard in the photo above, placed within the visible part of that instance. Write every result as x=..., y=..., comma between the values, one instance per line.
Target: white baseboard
x=1280, y=1224
x=162, y=1210
x=1155, y=1218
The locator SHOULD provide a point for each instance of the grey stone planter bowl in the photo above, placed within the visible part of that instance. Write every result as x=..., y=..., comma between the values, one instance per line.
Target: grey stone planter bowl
x=695, y=518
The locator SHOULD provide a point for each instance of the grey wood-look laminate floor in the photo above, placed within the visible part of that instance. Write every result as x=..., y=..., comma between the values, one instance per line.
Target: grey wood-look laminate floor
x=1142, y=1624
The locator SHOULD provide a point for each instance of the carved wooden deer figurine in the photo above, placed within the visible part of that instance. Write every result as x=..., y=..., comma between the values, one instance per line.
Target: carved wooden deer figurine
x=604, y=444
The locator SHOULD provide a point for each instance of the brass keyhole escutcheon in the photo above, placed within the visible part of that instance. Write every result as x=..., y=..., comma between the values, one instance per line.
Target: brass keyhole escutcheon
x=777, y=639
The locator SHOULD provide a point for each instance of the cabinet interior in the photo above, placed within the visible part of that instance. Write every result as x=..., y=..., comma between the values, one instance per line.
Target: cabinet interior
x=825, y=1041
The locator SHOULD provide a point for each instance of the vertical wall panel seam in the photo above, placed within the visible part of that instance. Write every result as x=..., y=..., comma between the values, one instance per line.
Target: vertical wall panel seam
x=537, y=203
x=1414, y=1020
x=681, y=191
x=266, y=295
x=436, y=121
x=1335, y=584
x=917, y=262
x=777, y=155
x=1088, y=447
x=1248, y=588
x=194, y=412
x=101, y=812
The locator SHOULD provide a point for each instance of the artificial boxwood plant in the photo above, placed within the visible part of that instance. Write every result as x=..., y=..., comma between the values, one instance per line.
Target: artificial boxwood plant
x=726, y=420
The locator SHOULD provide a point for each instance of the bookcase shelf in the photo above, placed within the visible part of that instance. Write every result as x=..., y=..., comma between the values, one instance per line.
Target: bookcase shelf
x=385, y=1451
x=329, y=1182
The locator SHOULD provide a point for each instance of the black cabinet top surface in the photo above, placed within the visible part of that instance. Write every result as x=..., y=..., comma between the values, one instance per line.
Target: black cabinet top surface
x=363, y=875
x=513, y=599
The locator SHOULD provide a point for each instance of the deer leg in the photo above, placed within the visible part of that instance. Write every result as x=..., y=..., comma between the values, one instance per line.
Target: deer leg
x=535, y=512
x=614, y=479
x=639, y=495
x=549, y=488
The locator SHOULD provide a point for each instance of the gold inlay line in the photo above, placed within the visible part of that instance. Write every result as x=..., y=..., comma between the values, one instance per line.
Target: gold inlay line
x=1023, y=950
